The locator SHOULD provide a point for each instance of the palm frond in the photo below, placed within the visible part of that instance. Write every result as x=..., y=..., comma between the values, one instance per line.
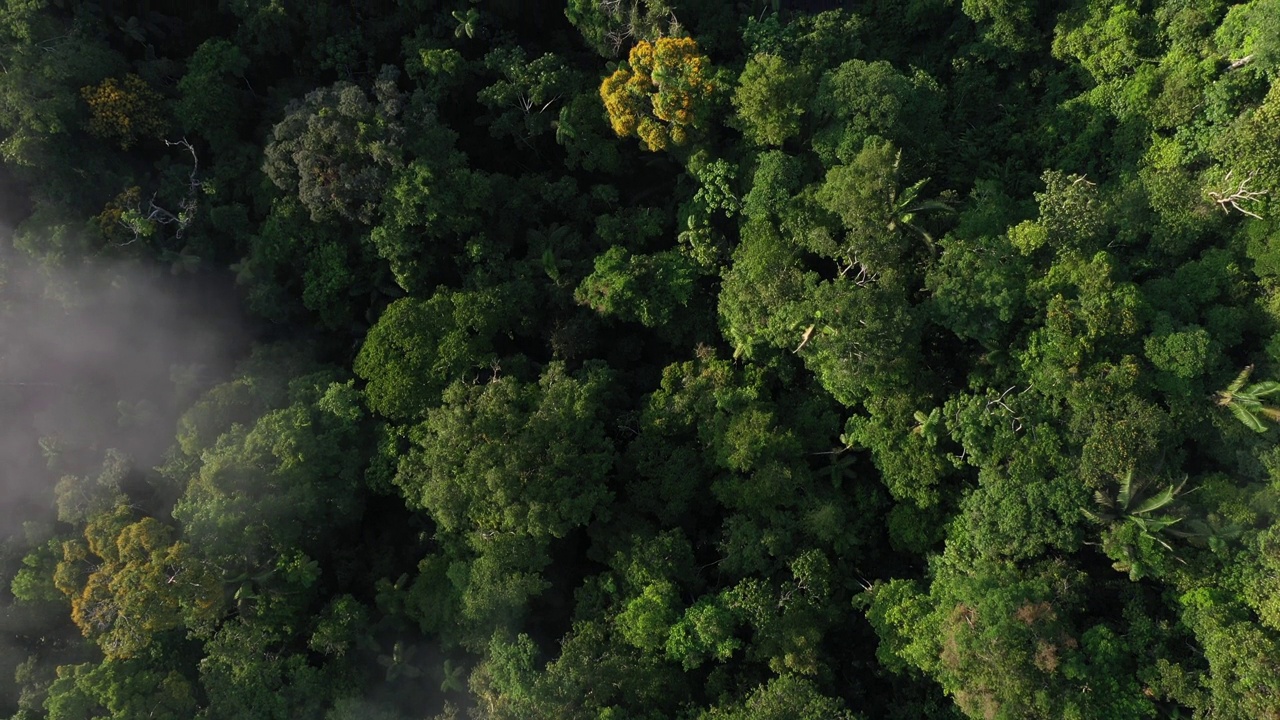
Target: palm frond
x=908, y=196
x=1239, y=382
x=1102, y=498
x=1248, y=418
x=929, y=205
x=1125, y=496
x=1155, y=525
x=1262, y=389
x=1155, y=502
x=1194, y=529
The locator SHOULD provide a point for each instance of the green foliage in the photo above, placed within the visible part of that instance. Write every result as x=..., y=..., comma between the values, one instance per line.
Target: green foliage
x=770, y=99
x=528, y=98
x=979, y=287
x=782, y=697
x=1251, y=31
x=337, y=150
x=51, y=59
x=1184, y=353
x=258, y=492
x=864, y=195
x=705, y=631
x=211, y=104
x=985, y=270
x=1135, y=523
x=244, y=677
x=1007, y=27
x=1246, y=402
x=341, y=627
x=435, y=199
x=649, y=289
x=418, y=347
x=605, y=26
x=1003, y=645
x=647, y=619
x=1248, y=151
x=333, y=273
x=34, y=580
x=127, y=689
x=512, y=457
x=1109, y=43
x=1241, y=676
x=859, y=100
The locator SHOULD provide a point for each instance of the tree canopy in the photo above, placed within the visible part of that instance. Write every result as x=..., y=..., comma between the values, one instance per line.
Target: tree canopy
x=641, y=359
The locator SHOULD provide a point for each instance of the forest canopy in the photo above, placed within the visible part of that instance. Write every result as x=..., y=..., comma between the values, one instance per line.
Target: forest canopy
x=645, y=359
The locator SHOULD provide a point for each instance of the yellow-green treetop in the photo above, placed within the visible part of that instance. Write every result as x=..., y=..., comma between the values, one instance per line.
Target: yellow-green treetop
x=661, y=94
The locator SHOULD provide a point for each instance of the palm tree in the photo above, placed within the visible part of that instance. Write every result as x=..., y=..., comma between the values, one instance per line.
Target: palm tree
x=1213, y=532
x=1129, y=506
x=468, y=22
x=907, y=204
x=1246, y=403
x=452, y=678
x=1130, y=516
x=399, y=662
x=927, y=425
x=841, y=465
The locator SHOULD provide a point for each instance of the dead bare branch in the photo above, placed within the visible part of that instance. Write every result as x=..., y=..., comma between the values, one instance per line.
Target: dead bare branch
x=1231, y=198
x=144, y=222
x=804, y=340
x=1237, y=64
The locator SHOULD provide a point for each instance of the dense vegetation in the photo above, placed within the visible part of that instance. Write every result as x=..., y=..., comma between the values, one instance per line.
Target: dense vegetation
x=640, y=359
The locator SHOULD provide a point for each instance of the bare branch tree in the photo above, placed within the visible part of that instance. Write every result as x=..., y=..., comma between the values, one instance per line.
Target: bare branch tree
x=1015, y=421
x=1229, y=197
x=617, y=38
x=526, y=103
x=864, y=277
x=143, y=222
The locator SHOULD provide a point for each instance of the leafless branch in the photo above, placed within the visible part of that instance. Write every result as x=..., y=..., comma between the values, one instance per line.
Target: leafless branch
x=143, y=222
x=526, y=103
x=195, y=183
x=864, y=277
x=1015, y=420
x=1237, y=64
x=804, y=340
x=1229, y=197
x=616, y=38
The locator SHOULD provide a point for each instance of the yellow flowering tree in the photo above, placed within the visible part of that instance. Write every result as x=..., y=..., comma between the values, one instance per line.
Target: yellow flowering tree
x=123, y=110
x=661, y=95
x=129, y=580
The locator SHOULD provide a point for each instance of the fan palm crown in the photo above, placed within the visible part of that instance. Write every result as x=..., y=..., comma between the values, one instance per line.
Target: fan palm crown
x=1246, y=402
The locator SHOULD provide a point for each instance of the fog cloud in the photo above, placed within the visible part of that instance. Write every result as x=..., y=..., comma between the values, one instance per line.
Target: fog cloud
x=96, y=357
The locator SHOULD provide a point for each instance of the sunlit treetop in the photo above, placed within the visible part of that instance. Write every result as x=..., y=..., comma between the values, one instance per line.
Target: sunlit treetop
x=663, y=96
